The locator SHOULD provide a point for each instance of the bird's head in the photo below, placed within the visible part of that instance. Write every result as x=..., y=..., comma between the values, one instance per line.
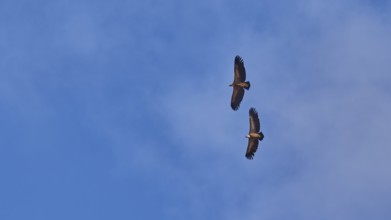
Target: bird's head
x=248, y=136
x=230, y=85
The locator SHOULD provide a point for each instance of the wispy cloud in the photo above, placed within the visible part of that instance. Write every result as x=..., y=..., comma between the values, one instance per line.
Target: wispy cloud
x=148, y=83
x=320, y=88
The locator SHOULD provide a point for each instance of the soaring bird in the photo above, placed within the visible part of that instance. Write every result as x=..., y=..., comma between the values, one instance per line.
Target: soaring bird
x=254, y=135
x=239, y=83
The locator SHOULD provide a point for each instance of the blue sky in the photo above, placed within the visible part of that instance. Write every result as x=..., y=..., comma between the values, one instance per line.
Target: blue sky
x=121, y=109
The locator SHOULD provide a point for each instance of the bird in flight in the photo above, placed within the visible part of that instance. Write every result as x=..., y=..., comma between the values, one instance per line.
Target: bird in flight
x=254, y=135
x=239, y=83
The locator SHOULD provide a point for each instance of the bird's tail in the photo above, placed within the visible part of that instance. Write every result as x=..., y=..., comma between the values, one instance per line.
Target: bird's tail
x=247, y=85
x=261, y=136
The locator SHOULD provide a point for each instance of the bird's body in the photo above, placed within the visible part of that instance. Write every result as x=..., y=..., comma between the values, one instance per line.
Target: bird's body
x=254, y=135
x=239, y=83
x=244, y=85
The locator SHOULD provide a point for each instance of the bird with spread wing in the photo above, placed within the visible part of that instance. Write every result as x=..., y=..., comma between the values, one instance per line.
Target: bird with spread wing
x=254, y=135
x=239, y=83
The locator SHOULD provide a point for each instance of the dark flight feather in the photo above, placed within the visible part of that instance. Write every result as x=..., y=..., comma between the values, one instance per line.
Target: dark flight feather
x=237, y=97
x=254, y=121
x=239, y=70
x=251, y=148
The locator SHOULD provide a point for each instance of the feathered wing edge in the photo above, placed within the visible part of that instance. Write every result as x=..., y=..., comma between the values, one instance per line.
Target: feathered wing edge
x=239, y=70
x=255, y=126
x=237, y=97
x=251, y=148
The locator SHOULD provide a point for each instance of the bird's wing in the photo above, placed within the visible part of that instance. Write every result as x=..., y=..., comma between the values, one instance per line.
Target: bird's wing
x=251, y=148
x=237, y=97
x=240, y=71
x=254, y=121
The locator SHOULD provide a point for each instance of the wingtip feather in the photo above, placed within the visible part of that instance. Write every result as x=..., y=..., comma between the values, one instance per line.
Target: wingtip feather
x=253, y=111
x=235, y=108
x=249, y=156
x=238, y=59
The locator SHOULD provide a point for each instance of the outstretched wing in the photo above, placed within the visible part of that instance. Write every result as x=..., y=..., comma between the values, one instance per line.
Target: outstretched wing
x=251, y=148
x=240, y=71
x=237, y=97
x=254, y=121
